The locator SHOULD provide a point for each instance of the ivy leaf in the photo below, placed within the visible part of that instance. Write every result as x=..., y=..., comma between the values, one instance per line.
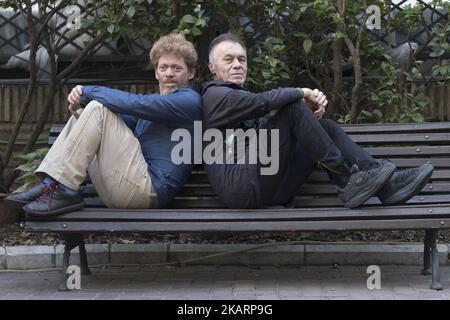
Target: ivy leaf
x=189, y=19
x=196, y=32
x=131, y=11
x=111, y=28
x=437, y=54
x=307, y=45
x=284, y=75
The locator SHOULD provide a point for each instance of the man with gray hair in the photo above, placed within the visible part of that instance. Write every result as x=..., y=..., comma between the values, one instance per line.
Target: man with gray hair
x=306, y=139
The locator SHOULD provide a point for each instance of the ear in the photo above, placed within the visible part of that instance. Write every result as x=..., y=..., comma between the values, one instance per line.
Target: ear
x=156, y=75
x=212, y=68
x=191, y=73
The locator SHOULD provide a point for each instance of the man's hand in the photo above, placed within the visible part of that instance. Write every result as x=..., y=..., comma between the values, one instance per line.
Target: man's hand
x=74, y=100
x=316, y=100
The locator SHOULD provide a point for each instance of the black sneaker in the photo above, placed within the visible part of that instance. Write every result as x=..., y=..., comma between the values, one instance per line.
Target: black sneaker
x=404, y=184
x=19, y=199
x=54, y=201
x=363, y=184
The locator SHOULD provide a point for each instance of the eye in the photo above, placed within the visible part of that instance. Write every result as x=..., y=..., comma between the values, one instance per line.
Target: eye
x=162, y=68
x=178, y=69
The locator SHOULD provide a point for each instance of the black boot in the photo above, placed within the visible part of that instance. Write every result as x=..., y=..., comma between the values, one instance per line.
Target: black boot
x=363, y=184
x=19, y=199
x=404, y=184
x=54, y=201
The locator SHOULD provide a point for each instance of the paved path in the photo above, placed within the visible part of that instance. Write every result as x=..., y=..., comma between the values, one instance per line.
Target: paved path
x=228, y=283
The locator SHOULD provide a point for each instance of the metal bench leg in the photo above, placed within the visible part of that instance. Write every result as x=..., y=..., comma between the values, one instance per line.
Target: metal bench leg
x=427, y=243
x=436, y=274
x=431, y=259
x=83, y=259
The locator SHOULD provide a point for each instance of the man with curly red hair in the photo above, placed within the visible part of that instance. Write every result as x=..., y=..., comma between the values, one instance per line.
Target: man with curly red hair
x=123, y=140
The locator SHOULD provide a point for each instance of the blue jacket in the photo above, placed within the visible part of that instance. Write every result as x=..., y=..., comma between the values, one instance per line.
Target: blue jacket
x=152, y=118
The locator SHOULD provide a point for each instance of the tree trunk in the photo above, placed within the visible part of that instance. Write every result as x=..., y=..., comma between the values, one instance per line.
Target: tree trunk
x=356, y=91
x=28, y=98
x=337, y=62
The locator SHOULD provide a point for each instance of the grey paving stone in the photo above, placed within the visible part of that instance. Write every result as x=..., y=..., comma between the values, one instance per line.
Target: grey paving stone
x=284, y=255
x=138, y=253
x=367, y=254
x=30, y=257
x=17, y=296
x=262, y=285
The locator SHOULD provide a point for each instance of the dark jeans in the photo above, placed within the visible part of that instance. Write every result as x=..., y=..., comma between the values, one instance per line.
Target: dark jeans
x=305, y=142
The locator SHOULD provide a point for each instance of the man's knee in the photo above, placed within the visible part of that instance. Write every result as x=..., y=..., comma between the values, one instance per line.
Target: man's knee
x=329, y=125
x=97, y=110
x=94, y=105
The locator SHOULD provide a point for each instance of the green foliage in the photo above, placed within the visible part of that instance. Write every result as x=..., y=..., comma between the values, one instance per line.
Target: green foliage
x=31, y=162
x=193, y=24
x=290, y=43
x=391, y=93
x=267, y=66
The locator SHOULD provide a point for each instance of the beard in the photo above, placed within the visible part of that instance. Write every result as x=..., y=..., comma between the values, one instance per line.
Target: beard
x=167, y=88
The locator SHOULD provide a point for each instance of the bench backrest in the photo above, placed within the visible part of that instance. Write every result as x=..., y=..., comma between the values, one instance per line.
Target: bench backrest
x=406, y=145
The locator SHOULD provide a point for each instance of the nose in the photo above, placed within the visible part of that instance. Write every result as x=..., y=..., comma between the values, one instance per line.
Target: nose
x=237, y=64
x=169, y=73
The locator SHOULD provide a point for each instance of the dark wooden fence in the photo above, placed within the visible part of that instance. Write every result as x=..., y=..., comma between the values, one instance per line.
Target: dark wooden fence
x=12, y=96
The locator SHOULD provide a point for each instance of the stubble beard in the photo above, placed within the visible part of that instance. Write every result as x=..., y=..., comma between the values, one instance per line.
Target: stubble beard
x=182, y=83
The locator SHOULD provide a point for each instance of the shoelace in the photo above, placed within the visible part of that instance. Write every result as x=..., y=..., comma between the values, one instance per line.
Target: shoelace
x=48, y=193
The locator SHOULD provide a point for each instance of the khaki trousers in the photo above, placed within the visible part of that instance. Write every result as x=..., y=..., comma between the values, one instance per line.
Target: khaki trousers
x=101, y=143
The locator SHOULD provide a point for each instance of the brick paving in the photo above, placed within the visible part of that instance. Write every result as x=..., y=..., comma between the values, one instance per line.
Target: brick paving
x=228, y=283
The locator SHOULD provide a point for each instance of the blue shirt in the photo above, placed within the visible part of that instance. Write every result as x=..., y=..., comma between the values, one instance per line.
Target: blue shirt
x=153, y=118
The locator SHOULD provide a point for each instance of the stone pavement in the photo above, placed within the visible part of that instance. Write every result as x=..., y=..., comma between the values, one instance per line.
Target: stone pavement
x=228, y=283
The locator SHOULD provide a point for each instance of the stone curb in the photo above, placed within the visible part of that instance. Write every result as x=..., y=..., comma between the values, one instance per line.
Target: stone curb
x=356, y=253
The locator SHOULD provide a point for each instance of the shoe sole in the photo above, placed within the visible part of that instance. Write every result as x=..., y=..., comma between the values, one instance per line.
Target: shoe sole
x=372, y=190
x=74, y=207
x=16, y=203
x=411, y=189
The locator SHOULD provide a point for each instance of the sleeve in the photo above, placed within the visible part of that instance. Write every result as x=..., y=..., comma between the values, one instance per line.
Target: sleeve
x=224, y=105
x=178, y=109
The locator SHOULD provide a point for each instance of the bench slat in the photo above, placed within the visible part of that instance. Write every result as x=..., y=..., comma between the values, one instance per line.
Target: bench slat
x=316, y=176
x=305, y=189
x=366, y=127
x=388, y=152
x=427, y=137
x=397, y=127
x=400, y=138
x=270, y=214
x=214, y=202
x=269, y=226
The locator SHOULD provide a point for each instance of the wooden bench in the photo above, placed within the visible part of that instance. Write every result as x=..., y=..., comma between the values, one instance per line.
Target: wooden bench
x=198, y=209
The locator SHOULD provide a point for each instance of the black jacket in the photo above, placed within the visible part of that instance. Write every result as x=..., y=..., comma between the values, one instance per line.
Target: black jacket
x=229, y=106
